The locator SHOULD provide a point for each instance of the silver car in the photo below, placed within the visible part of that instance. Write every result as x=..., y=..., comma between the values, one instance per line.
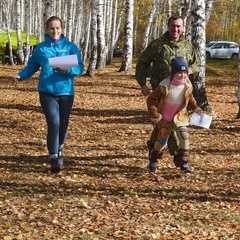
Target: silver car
x=222, y=49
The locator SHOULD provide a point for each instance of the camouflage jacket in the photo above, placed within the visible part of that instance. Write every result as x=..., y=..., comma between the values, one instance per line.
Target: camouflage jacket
x=160, y=53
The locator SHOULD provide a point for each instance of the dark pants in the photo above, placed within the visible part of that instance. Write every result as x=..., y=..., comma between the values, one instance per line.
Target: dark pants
x=57, y=112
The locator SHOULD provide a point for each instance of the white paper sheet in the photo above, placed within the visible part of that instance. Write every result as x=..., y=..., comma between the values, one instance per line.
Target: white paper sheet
x=201, y=120
x=64, y=62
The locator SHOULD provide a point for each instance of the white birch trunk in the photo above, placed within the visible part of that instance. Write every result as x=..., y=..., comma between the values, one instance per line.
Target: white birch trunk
x=18, y=25
x=199, y=42
x=208, y=9
x=112, y=34
x=70, y=16
x=108, y=24
x=93, y=58
x=101, y=61
x=6, y=14
x=119, y=21
x=39, y=22
x=149, y=25
x=47, y=9
x=135, y=28
x=238, y=91
x=155, y=33
x=128, y=38
x=28, y=20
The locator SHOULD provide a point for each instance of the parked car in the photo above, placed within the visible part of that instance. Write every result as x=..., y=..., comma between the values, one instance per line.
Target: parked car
x=222, y=49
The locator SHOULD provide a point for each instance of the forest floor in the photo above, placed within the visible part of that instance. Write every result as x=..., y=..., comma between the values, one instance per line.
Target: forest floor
x=105, y=191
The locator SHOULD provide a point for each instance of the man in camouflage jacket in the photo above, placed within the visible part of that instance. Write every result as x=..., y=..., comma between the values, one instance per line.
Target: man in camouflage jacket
x=158, y=56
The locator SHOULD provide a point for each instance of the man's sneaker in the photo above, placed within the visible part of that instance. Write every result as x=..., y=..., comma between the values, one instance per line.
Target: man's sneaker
x=55, y=167
x=60, y=158
x=177, y=161
x=185, y=167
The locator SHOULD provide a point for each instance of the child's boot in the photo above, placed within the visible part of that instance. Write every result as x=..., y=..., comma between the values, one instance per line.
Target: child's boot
x=183, y=159
x=150, y=146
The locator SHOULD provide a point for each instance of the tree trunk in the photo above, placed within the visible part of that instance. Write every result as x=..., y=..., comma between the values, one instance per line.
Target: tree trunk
x=238, y=93
x=149, y=25
x=208, y=9
x=70, y=17
x=28, y=17
x=93, y=58
x=18, y=24
x=101, y=60
x=128, y=38
x=112, y=34
x=199, y=41
x=47, y=9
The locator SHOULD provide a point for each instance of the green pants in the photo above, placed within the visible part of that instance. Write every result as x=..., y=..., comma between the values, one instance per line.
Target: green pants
x=172, y=140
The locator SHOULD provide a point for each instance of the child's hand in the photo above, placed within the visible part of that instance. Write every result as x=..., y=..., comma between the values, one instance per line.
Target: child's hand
x=200, y=112
x=154, y=121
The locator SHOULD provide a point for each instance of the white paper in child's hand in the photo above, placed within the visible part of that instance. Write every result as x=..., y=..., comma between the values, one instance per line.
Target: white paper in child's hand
x=203, y=120
x=64, y=62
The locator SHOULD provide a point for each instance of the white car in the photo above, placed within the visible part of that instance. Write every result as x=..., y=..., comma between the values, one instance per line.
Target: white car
x=222, y=49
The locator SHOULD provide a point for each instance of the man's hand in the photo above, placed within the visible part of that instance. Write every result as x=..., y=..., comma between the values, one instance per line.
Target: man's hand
x=190, y=71
x=145, y=90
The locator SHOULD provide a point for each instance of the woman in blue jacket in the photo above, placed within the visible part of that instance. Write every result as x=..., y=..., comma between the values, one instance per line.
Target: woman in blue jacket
x=55, y=86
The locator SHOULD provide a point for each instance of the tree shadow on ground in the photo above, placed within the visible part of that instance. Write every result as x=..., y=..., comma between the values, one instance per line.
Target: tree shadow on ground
x=108, y=174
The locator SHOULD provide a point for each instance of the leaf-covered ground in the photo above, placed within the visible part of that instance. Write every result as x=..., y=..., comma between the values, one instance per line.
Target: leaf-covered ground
x=105, y=190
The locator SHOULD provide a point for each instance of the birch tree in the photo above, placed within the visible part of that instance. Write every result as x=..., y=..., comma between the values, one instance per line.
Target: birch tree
x=149, y=25
x=70, y=16
x=208, y=9
x=119, y=22
x=238, y=91
x=47, y=9
x=28, y=9
x=155, y=21
x=199, y=41
x=93, y=57
x=128, y=38
x=108, y=25
x=101, y=60
x=135, y=27
x=112, y=33
x=6, y=13
x=18, y=26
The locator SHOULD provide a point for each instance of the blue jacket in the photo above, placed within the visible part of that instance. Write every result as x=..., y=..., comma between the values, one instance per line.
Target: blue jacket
x=50, y=80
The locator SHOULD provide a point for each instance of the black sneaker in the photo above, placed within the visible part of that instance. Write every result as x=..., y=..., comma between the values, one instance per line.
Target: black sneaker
x=60, y=158
x=55, y=167
x=185, y=168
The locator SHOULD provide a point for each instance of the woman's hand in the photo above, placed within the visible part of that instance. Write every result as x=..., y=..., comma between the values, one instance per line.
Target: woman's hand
x=16, y=78
x=61, y=70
